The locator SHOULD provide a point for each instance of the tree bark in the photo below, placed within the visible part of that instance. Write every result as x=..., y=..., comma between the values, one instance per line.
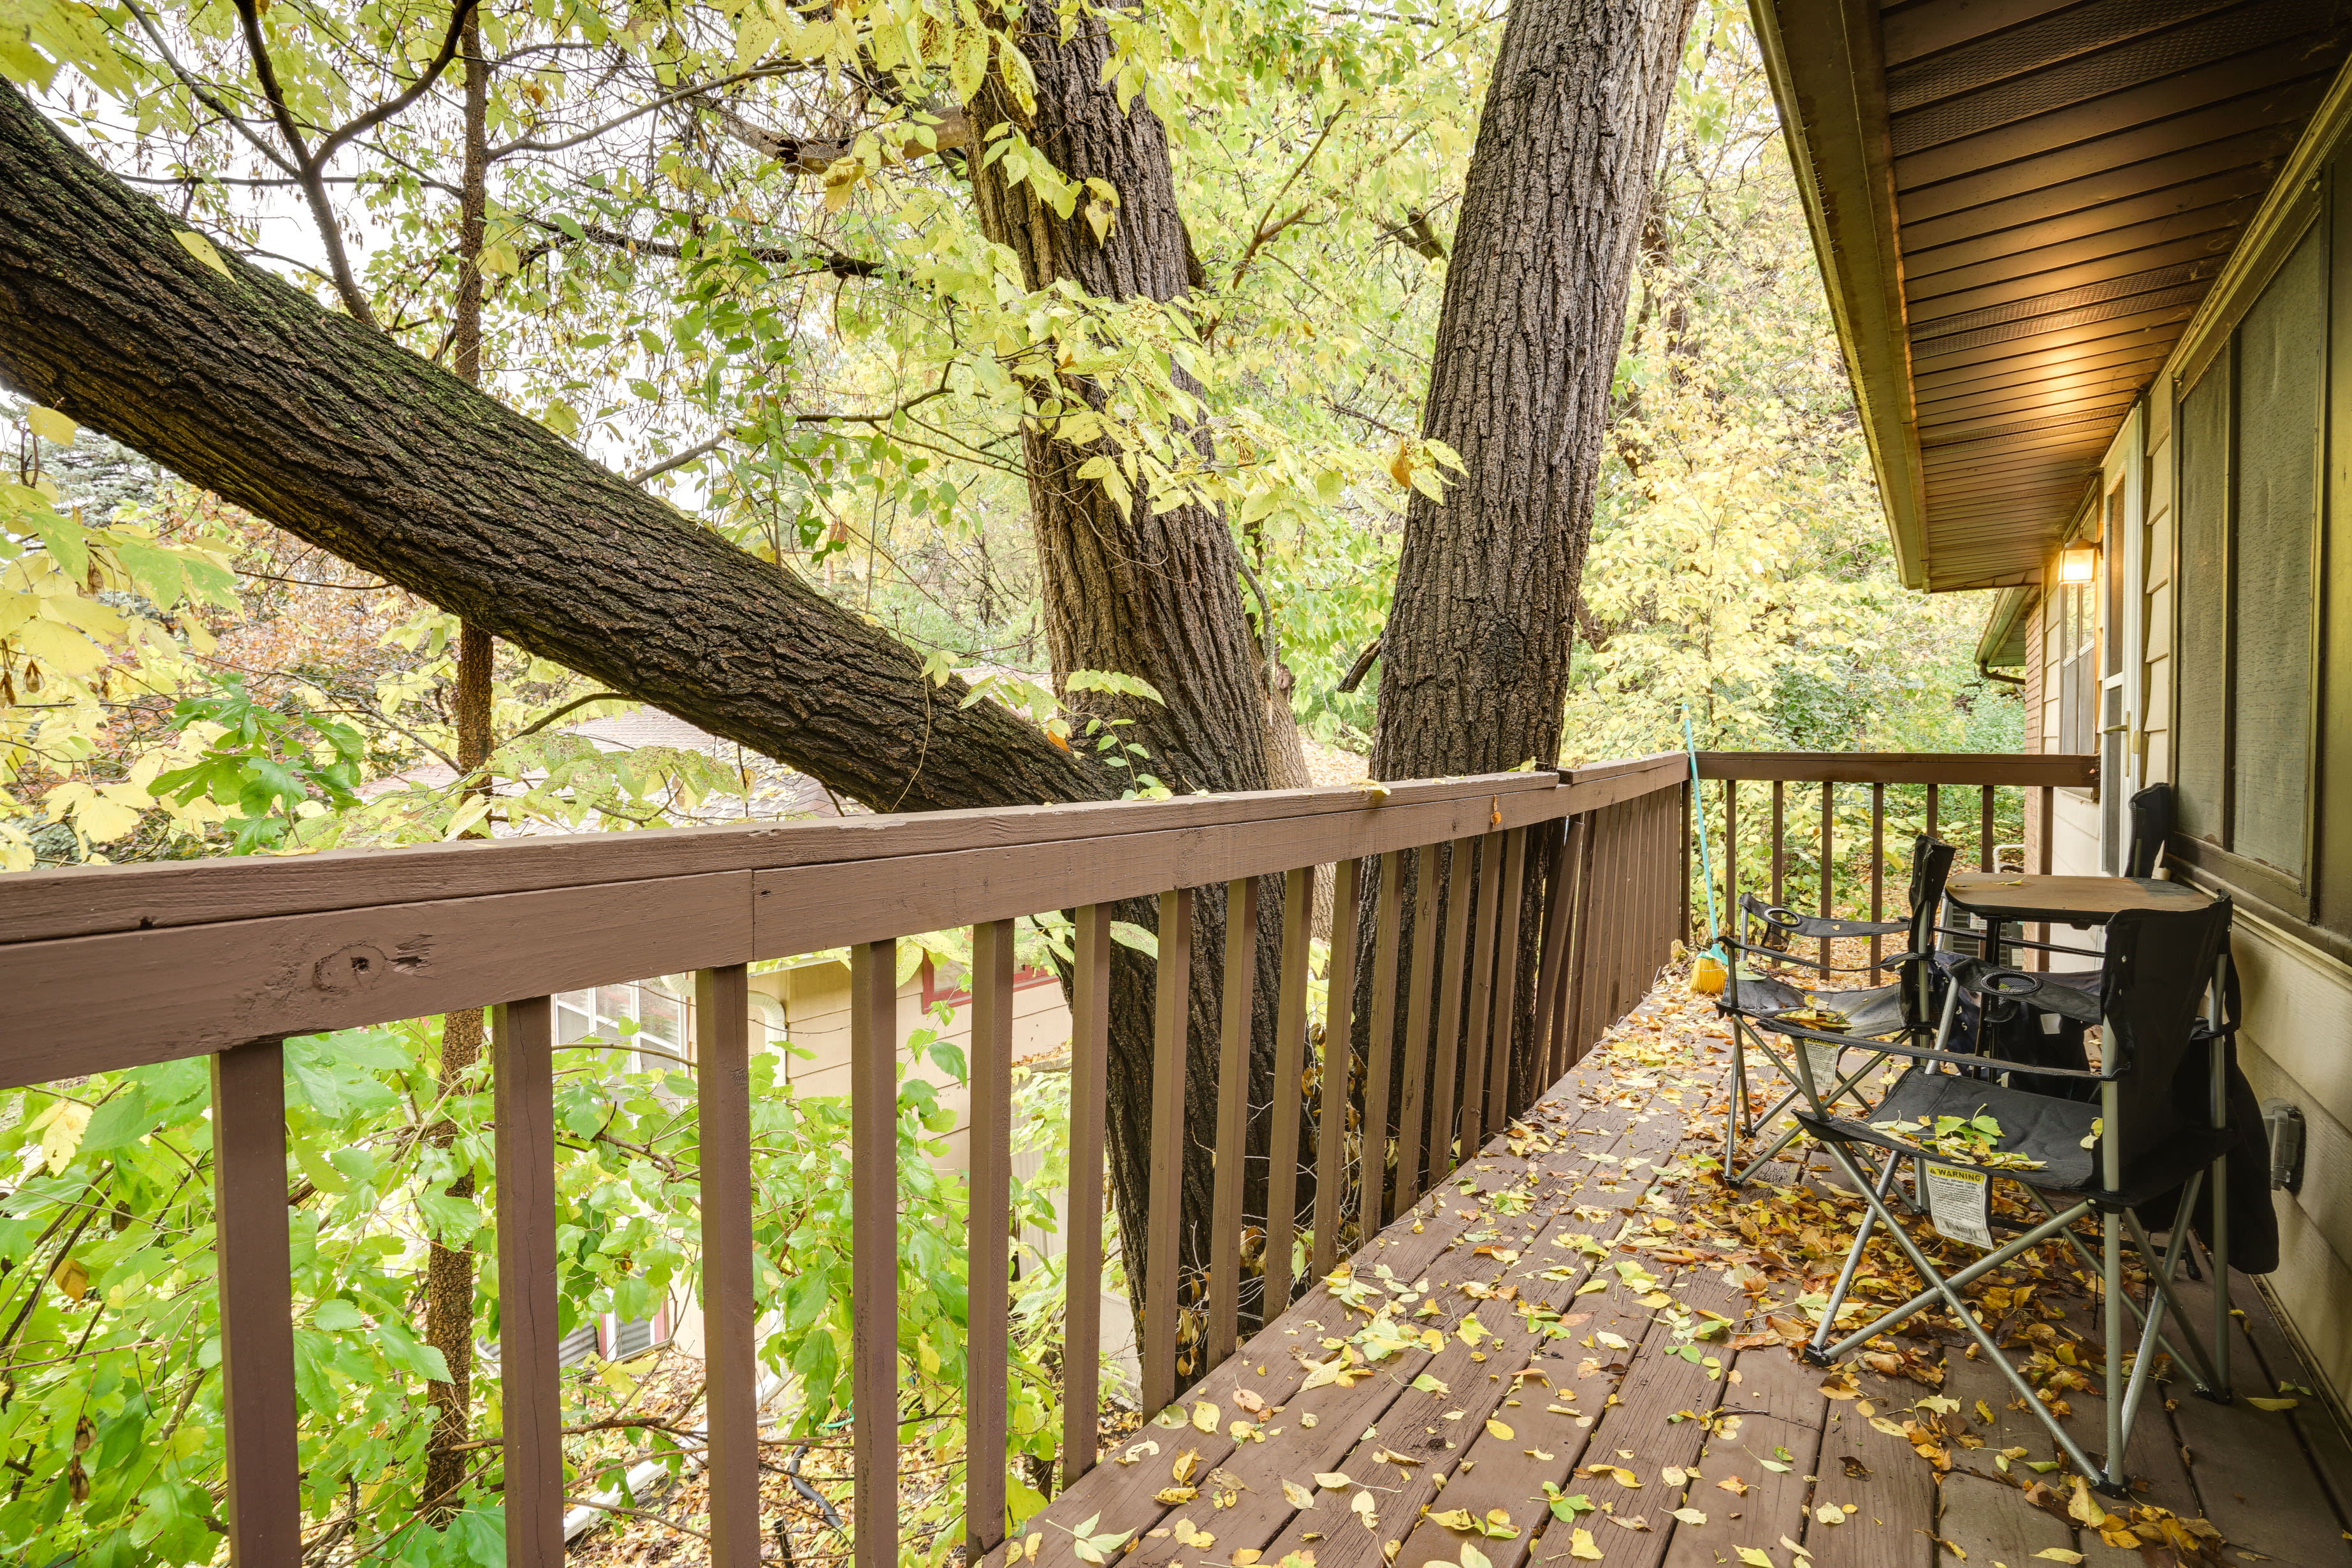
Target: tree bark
x=244, y=387
x=449, y=1271
x=1474, y=655
x=1153, y=594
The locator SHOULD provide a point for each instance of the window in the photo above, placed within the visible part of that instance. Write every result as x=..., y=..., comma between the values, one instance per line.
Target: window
x=2078, y=668
x=2250, y=479
x=640, y=1013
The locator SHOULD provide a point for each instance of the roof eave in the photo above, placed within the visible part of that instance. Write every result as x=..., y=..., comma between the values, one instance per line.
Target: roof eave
x=1829, y=105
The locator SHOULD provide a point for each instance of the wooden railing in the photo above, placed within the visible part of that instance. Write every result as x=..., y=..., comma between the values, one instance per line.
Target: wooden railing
x=113, y=968
x=1977, y=802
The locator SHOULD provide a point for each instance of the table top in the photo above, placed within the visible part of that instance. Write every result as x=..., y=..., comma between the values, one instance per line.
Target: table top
x=2067, y=900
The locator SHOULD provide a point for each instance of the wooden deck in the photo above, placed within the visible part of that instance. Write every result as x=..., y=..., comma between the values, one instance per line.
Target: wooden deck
x=1608, y=1327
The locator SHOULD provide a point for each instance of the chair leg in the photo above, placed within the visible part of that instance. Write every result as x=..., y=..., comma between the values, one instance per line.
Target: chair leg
x=1969, y=1276
x=1949, y=1291
x=2222, y=1328
x=2111, y=1280
x=2139, y=1314
x=1813, y=1351
x=2162, y=1294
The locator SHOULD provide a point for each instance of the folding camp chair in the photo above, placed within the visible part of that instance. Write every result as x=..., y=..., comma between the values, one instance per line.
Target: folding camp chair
x=1757, y=1005
x=2160, y=1123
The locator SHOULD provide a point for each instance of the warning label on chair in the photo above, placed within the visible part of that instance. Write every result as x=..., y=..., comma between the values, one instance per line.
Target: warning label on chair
x=1959, y=1204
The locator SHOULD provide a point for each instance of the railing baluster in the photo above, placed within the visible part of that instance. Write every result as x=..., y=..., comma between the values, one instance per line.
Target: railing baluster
x=1984, y=836
x=1373, y=1210
x=1829, y=863
x=1331, y=1078
x=1731, y=856
x=1877, y=870
x=2043, y=862
x=1476, y=1057
x=522, y=1044
x=1083, y=1263
x=1551, y=964
x=255, y=1277
x=1934, y=802
x=722, y=1093
x=1233, y=1122
x=1568, y=1020
x=1289, y=1064
x=1500, y=1104
x=1779, y=842
x=1171, y=1042
x=1415, y=1066
x=1688, y=801
x=989, y=1238
x=1452, y=975
x=874, y=1246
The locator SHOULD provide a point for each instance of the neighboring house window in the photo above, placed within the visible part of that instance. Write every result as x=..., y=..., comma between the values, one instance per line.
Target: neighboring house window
x=2250, y=481
x=580, y=1343
x=642, y=1013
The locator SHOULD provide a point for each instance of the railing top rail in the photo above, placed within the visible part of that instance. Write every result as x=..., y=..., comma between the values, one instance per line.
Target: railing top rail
x=40, y=906
x=1962, y=769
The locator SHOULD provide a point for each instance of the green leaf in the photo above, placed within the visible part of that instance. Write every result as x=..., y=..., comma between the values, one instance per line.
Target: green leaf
x=335, y=1313
x=122, y=1120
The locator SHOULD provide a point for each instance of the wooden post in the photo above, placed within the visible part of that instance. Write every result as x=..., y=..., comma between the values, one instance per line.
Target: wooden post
x=1877, y=869
x=722, y=1089
x=1452, y=974
x=1171, y=1044
x=264, y=1501
x=874, y=1248
x=1083, y=1262
x=1731, y=856
x=1374, y=1210
x=1779, y=842
x=1290, y=1065
x=1477, y=1060
x=523, y=1083
x=1829, y=865
x=1239, y=984
x=989, y=1238
x=2043, y=862
x=1331, y=1079
x=1415, y=1066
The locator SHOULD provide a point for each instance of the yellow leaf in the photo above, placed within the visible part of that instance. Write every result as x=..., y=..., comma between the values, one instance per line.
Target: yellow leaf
x=1455, y=1519
x=1246, y=1556
x=198, y=246
x=1687, y=1515
x=1204, y=1414
x=1171, y=1496
x=2271, y=1404
x=1498, y=1429
x=61, y=1127
x=1296, y=1494
x=1401, y=466
x=1334, y=1479
x=1829, y=1513
x=1755, y=1556
x=1187, y=1464
x=49, y=425
x=1579, y=1546
x=2059, y=1554
x=71, y=1277
x=2084, y=1507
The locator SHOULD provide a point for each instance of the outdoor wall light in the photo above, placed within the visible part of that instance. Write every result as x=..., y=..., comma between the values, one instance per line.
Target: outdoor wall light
x=2080, y=564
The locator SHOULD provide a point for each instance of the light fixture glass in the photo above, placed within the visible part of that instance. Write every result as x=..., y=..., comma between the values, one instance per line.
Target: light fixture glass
x=2080, y=564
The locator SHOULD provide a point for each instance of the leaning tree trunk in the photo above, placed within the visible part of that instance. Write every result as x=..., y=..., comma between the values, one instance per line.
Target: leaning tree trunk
x=1156, y=594
x=1475, y=657
x=244, y=386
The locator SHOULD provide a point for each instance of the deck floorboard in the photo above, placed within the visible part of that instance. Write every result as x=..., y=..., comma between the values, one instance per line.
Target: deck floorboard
x=1596, y=1370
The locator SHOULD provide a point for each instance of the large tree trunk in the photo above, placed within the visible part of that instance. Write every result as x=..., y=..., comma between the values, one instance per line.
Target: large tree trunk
x=1475, y=657
x=1154, y=594
x=343, y=438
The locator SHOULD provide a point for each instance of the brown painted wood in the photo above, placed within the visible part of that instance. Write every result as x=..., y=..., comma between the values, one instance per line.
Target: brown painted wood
x=1290, y=1065
x=989, y=1238
x=2042, y=861
x=1500, y=1105
x=874, y=1248
x=1472, y=1119
x=82, y=901
x=1420, y=981
x=1688, y=799
x=1984, y=830
x=1566, y=1020
x=1332, y=1075
x=722, y=1088
x=1170, y=1043
x=1083, y=1262
x=2061, y=769
x=1829, y=862
x=1780, y=843
x=2071, y=901
x=1454, y=978
x=1379, y=1063
x=522, y=1045
x=1731, y=856
x=1877, y=864
x=1233, y=1121
x=1935, y=794
x=1607, y=783
x=1551, y=964
x=264, y=1497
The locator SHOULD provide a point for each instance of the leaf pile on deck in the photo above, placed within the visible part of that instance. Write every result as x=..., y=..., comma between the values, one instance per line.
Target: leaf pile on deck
x=1577, y=1348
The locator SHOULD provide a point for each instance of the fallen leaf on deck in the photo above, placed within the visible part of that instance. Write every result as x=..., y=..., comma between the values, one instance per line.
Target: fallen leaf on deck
x=1296, y=1494
x=1498, y=1429
x=1580, y=1546
x=1688, y=1516
x=1204, y=1416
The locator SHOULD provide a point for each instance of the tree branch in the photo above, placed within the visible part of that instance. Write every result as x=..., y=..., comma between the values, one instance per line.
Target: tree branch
x=314, y=190
x=664, y=101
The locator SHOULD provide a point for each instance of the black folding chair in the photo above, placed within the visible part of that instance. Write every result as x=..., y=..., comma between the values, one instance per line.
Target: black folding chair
x=2159, y=1122
x=1758, y=1005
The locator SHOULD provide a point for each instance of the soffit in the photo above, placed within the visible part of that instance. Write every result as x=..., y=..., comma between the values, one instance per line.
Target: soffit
x=2018, y=206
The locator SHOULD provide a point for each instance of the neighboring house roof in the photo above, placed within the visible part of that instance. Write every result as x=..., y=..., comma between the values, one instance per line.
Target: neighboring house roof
x=2019, y=206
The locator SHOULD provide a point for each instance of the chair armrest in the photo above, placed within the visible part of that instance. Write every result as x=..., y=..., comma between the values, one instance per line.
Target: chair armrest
x=1922, y=1053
